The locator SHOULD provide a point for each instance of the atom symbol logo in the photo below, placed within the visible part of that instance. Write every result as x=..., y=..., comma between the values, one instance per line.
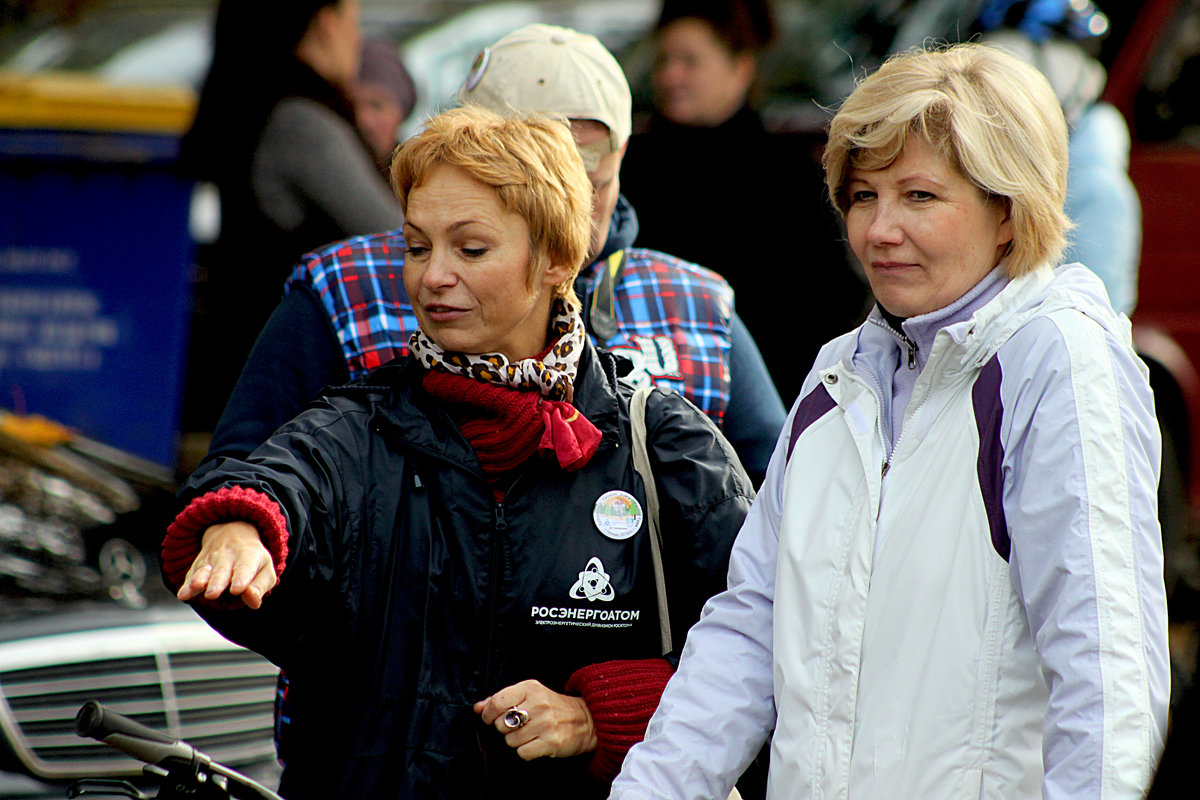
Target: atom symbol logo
x=593, y=583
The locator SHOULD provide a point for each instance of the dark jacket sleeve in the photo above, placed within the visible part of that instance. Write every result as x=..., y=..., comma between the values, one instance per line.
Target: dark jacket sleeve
x=704, y=494
x=295, y=357
x=755, y=414
x=303, y=469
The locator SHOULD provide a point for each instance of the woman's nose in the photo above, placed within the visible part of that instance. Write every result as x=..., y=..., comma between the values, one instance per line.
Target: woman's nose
x=439, y=271
x=885, y=227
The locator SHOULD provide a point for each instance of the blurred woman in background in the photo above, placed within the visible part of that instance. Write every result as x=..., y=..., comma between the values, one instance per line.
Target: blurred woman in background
x=384, y=97
x=712, y=185
x=275, y=132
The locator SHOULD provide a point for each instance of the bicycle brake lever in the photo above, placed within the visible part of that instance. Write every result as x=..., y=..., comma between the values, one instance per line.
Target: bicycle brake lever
x=107, y=787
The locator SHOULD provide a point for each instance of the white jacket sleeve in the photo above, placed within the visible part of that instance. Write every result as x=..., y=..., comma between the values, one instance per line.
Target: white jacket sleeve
x=1081, y=470
x=718, y=708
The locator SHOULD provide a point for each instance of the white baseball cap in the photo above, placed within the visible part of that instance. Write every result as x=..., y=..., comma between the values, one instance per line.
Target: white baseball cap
x=554, y=70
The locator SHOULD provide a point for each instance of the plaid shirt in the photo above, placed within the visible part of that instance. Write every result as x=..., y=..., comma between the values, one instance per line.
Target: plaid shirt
x=673, y=317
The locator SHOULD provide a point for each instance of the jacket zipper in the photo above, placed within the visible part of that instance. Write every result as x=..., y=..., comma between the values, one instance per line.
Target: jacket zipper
x=878, y=394
x=912, y=350
x=912, y=411
x=499, y=526
x=499, y=531
x=908, y=343
x=911, y=363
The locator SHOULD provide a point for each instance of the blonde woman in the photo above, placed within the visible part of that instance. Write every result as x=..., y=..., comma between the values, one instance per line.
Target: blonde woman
x=950, y=584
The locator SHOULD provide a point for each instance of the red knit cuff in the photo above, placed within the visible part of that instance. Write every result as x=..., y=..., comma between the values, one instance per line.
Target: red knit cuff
x=185, y=535
x=621, y=695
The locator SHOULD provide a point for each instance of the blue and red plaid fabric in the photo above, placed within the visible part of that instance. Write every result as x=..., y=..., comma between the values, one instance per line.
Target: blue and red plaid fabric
x=674, y=322
x=673, y=317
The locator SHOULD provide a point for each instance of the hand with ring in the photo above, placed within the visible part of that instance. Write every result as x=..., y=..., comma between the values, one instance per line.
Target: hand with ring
x=538, y=722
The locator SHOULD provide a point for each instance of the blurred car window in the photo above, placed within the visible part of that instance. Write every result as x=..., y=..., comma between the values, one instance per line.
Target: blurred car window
x=101, y=36
x=174, y=55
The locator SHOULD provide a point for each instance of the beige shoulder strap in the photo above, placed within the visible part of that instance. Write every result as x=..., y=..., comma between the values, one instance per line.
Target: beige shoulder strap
x=641, y=462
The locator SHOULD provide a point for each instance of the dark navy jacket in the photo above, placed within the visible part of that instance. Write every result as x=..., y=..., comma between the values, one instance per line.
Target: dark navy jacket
x=410, y=593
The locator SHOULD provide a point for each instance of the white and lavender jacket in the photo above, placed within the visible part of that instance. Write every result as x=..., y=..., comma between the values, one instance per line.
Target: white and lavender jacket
x=970, y=608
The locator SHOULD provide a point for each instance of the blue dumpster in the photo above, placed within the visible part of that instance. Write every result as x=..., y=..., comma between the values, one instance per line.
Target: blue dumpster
x=95, y=258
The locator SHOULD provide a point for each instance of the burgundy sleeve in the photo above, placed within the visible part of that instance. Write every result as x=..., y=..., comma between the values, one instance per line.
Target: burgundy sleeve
x=621, y=696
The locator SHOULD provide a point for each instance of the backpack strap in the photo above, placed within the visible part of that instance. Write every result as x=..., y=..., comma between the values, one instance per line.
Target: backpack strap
x=602, y=317
x=641, y=462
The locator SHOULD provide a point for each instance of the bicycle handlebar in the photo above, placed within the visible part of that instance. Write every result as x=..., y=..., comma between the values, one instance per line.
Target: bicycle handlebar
x=94, y=721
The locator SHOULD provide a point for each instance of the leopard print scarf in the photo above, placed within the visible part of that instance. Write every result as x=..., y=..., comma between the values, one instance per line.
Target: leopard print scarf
x=553, y=374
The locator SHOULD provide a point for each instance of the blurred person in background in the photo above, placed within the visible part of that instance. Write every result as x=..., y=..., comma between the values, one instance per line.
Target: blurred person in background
x=1056, y=36
x=384, y=97
x=275, y=132
x=711, y=184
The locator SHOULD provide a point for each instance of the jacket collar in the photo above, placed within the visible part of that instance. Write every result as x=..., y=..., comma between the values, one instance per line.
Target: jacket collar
x=399, y=407
x=919, y=332
x=976, y=331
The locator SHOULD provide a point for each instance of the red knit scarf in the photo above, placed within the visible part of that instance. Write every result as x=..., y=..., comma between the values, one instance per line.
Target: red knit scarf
x=507, y=427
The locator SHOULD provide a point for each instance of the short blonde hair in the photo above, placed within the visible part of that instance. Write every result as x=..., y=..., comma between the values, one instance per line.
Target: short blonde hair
x=992, y=116
x=533, y=164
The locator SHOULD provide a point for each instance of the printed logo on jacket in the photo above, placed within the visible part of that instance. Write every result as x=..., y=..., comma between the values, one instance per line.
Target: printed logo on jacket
x=595, y=588
x=617, y=515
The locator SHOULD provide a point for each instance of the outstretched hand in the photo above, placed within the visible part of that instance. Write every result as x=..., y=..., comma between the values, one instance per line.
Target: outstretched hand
x=559, y=725
x=232, y=559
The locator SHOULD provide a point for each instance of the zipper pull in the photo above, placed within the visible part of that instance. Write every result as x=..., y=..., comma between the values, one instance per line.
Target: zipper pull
x=501, y=522
x=886, y=466
x=912, y=352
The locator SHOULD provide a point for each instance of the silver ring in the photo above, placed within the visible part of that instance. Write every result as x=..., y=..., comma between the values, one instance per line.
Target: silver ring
x=515, y=717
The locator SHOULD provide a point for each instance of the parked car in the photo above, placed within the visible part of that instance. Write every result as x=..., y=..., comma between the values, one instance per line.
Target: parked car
x=160, y=665
x=83, y=616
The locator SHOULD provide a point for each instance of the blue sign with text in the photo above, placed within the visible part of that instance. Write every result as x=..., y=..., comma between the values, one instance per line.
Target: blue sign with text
x=95, y=292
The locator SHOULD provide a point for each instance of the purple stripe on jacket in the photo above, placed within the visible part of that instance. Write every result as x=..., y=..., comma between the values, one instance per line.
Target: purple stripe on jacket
x=815, y=405
x=989, y=414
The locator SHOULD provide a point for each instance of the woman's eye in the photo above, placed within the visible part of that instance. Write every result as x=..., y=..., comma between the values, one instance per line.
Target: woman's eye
x=861, y=196
x=415, y=251
x=918, y=194
x=474, y=252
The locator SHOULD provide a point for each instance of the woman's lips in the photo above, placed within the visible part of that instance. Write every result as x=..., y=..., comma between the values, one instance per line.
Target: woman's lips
x=891, y=266
x=438, y=313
